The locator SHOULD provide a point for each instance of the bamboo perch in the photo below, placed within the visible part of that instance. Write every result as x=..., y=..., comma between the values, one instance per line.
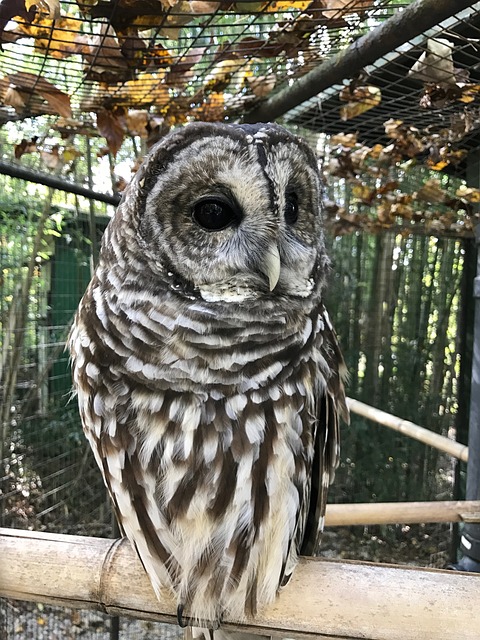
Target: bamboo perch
x=326, y=600
x=342, y=515
x=453, y=448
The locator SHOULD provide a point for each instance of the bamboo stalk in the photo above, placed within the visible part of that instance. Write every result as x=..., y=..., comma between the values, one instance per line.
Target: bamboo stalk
x=323, y=600
x=342, y=515
x=453, y=448
x=20, y=304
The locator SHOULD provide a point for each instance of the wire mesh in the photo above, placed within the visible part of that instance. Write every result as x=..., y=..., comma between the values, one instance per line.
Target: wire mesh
x=430, y=83
x=194, y=59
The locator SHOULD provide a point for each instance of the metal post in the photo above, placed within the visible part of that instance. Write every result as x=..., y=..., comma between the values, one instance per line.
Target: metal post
x=16, y=171
x=470, y=540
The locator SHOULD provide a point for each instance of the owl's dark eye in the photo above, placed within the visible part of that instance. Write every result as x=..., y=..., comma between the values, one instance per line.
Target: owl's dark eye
x=214, y=213
x=291, y=208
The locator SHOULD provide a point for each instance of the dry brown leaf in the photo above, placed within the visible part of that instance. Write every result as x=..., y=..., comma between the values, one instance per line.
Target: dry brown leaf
x=403, y=210
x=34, y=85
x=136, y=122
x=60, y=38
x=363, y=193
x=285, y=5
x=276, y=6
x=360, y=100
x=59, y=101
x=181, y=70
x=339, y=8
x=387, y=187
x=437, y=166
x=375, y=151
x=213, y=109
x=203, y=6
x=469, y=93
x=51, y=159
x=407, y=138
x=169, y=23
x=147, y=89
x=392, y=128
x=104, y=59
x=344, y=139
x=225, y=72
x=432, y=192
x=261, y=86
x=12, y=9
x=70, y=153
x=384, y=214
x=468, y=193
x=14, y=98
x=25, y=146
x=49, y=7
x=109, y=125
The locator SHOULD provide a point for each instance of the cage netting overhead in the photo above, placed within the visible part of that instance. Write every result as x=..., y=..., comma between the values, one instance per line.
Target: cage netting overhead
x=126, y=70
x=143, y=66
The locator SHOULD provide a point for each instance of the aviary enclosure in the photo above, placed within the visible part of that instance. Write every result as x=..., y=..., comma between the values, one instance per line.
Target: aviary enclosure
x=86, y=92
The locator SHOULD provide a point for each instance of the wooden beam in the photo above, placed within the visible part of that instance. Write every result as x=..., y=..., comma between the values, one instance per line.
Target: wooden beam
x=346, y=515
x=453, y=448
x=325, y=600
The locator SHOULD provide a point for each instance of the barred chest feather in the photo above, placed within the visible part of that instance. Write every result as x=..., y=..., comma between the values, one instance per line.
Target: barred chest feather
x=204, y=425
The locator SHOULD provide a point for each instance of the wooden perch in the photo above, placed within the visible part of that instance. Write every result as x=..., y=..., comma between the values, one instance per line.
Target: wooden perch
x=326, y=600
x=343, y=515
x=453, y=448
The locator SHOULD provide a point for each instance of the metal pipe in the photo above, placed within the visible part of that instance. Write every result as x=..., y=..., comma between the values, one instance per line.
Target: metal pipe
x=16, y=171
x=392, y=33
x=470, y=540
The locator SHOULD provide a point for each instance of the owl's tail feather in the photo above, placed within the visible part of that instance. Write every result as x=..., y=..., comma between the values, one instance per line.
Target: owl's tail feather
x=200, y=633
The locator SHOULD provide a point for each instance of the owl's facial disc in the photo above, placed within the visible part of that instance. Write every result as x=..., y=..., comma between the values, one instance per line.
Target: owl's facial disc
x=236, y=217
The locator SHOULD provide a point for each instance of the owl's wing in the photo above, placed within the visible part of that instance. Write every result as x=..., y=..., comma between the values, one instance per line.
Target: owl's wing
x=109, y=423
x=131, y=485
x=331, y=406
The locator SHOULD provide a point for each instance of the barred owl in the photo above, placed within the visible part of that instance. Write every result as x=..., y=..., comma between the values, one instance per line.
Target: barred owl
x=209, y=377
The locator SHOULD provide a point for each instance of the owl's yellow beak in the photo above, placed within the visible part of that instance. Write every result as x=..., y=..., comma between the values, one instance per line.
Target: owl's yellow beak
x=271, y=265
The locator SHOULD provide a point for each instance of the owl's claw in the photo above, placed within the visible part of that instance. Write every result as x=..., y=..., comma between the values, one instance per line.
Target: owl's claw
x=187, y=622
x=181, y=622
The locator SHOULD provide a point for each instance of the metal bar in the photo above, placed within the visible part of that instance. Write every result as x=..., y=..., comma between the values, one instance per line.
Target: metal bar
x=15, y=171
x=470, y=540
x=394, y=32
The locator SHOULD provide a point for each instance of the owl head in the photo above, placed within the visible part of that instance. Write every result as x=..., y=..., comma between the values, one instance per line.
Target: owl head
x=233, y=211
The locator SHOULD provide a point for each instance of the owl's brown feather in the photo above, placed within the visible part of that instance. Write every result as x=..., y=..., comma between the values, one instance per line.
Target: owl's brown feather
x=209, y=377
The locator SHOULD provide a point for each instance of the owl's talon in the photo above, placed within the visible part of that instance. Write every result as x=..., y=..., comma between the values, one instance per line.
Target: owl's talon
x=181, y=622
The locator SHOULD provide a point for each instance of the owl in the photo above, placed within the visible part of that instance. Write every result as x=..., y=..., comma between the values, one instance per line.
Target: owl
x=208, y=374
